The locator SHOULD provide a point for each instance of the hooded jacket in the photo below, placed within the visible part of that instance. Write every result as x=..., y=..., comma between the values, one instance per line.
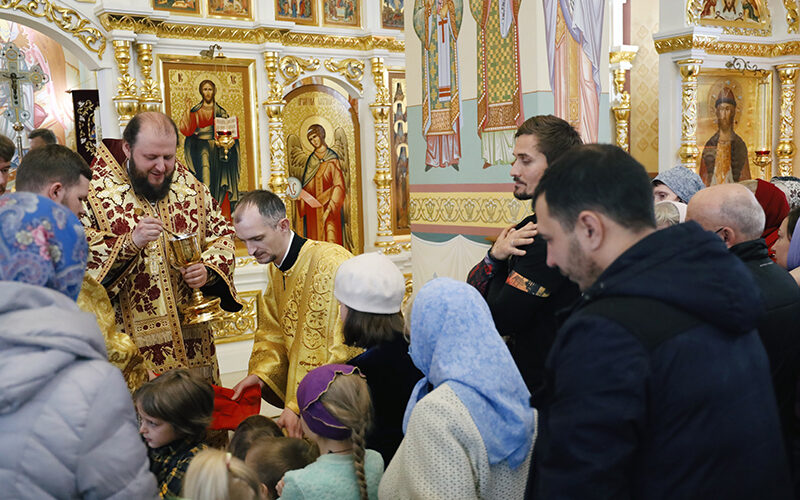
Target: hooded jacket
x=67, y=424
x=693, y=417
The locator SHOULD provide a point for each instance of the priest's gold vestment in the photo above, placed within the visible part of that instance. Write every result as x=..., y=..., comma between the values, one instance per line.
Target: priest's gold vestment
x=298, y=321
x=145, y=289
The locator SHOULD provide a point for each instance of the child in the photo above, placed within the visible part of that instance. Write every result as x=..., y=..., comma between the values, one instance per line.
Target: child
x=370, y=291
x=217, y=475
x=250, y=430
x=272, y=457
x=174, y=412
x=335, y=413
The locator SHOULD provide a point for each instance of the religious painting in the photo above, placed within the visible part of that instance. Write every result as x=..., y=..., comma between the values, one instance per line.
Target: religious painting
x=734, y=117
x=51, y=107
x=297, y=11
x=213, y=104
x=323, y=156
x=741, y=17
x=191, y=7
x=236, y=9
x=341, y=13
x=398, y=119
x=437, y=24
x=499, y=78
x=392, y=16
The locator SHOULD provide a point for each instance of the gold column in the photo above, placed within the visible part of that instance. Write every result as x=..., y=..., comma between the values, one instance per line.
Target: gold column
x=274, y=104
x=125, y=101
x=383, y=173
x=788, y=75
x=621, y=62
x=150, y=95
x=689, y=151
x=792, y=18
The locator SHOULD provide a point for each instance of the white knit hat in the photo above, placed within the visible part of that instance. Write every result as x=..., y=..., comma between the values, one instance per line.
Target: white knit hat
x=370, y=283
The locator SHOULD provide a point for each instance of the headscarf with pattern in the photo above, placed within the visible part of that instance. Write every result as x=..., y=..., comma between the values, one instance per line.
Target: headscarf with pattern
x=454, y=340
x=41, y=243
x=790, y=186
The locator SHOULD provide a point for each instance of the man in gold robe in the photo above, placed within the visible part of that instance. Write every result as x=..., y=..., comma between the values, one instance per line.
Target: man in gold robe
x=62, y=175
x=138, y=190
x=299, y=327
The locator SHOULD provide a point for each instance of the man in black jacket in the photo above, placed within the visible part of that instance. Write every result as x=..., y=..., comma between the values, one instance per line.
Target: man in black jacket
x=734, y=214
x=657, y=385
x=522, y=292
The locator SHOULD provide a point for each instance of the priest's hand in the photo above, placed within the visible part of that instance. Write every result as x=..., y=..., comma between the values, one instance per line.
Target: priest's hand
x=195, y=275
x=148, y=229
x=510, y=241
x=246, y=382
x=290, y=421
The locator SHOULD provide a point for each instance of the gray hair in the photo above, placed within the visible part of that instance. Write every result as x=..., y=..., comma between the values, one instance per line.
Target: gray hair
x=743, y=212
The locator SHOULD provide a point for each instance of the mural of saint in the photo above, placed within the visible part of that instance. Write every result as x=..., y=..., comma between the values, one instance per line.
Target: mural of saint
x=732, y=10
x=392, y=14
x=437, y=24
x=203, y=157
x=322, y=174
x=301, y=10
x=725, y=153
x=341, y=12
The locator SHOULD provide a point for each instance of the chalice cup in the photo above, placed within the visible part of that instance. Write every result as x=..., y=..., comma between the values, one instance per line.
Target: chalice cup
x=185, y=252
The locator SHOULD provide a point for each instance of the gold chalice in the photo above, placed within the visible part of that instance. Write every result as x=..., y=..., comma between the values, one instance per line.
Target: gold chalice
x=185, y=252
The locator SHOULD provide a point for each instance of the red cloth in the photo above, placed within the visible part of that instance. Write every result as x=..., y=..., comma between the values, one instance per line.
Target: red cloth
x=228, y=414
x=776, y=208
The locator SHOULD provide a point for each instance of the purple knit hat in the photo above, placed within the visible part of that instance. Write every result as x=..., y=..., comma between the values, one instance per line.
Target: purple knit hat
x=793, y=258
x=314, y=414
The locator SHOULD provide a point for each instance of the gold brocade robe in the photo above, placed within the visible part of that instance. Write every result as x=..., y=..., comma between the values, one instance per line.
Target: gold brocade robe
x=145, y=289
x=298, y=321
x=122, y=352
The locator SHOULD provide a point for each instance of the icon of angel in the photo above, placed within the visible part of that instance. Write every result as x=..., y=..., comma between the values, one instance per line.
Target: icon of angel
x=324, y=175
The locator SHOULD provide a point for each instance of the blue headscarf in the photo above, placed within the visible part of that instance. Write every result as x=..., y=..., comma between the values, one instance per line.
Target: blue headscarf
x=454, y=340
x=41, y=243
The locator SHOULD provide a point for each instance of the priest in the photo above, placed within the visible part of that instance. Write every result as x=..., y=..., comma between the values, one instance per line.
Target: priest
x=138, y=194
x=298, y=321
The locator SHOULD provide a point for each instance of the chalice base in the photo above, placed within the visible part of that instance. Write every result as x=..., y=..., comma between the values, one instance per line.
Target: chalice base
x=201, y=311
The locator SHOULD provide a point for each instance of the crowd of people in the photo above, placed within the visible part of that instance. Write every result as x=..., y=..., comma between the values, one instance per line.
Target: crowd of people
x=631, y=338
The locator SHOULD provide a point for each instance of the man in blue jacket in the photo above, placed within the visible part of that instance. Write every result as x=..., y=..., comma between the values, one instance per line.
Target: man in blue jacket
x=657, y=385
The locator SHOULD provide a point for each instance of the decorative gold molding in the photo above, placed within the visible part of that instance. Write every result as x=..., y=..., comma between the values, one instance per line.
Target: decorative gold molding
x=383, y=163
x=792, y=18
x=622, y=110
x=351, y=68
x=126, y=101
x=685, y=42
x=467, y=209
x=279, y=173
x=150, y=94
x=233, y=327
x=66, y=19
x=689, y=151
x=785, y=152
x=712, y=45
x=165, y=29
x=621, y=56
x=291, y=67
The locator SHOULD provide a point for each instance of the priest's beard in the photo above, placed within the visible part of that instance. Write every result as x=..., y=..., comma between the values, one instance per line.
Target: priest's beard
x=142, y=186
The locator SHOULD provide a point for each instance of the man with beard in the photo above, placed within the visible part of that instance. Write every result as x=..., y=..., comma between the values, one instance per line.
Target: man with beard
x=725, y=153
x=522, y=292
x=138, y=190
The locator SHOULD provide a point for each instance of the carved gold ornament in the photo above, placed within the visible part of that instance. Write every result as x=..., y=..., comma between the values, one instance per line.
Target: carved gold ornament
x=792, y=18
x=291, y=67
x=278, y=179
x=466, y=209
x=383, y=162
x=149, y=93
x=218, y=34
x=788, y=75
x=233, y=327
x=688, y=151
x=352, y=69
x=66, y=19
x=712, y=45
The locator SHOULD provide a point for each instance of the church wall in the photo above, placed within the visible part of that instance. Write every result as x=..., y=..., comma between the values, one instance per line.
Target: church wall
x=454, y=212
x=644, y=94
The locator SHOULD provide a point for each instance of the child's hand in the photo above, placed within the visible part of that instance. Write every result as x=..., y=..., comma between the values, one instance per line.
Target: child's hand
x=279, y=487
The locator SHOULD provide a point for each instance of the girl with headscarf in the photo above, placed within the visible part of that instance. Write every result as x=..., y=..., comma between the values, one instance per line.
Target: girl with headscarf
x=63, y=407
x=469, y=425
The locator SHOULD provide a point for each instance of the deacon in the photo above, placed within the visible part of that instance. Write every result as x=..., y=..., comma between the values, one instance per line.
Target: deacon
x=58, y=173
x=138, y=190
x=298, y=326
